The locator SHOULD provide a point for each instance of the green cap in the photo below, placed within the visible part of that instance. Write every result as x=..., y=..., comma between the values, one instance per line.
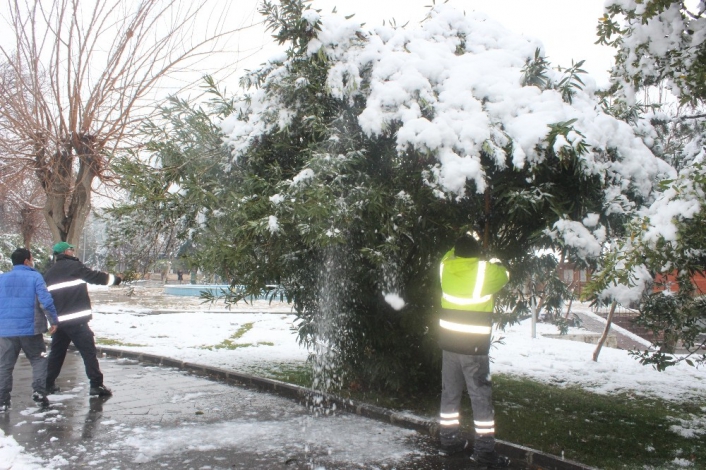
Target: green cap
x=62, y=247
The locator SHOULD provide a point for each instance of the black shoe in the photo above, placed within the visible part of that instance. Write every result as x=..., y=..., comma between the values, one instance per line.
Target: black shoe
x=490, y=460
x=452, y=449
x=101, y=391
x=53, y=389
x=5, y=407
x=40, y=399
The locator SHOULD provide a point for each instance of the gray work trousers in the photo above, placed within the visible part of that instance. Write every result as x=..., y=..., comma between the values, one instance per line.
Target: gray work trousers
x=460, y=371
x=34, y=348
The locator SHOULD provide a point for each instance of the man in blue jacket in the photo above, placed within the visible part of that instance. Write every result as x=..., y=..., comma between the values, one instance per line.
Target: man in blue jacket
x=22, y=325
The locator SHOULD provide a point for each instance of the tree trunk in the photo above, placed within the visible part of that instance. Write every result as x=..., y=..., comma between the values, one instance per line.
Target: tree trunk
x=568, y=309
x=486, y=228
x=29, y=224
x=68, y=201
x=669, y=343
x=608, y=322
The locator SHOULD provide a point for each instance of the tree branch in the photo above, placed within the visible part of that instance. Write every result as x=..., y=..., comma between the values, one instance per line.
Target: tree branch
x=694, y=116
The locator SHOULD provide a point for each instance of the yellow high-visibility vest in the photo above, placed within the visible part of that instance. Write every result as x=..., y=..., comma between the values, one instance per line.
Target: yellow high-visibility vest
x=469, y=283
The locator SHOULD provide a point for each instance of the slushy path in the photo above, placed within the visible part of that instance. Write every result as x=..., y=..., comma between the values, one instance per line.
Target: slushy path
x=165, y=418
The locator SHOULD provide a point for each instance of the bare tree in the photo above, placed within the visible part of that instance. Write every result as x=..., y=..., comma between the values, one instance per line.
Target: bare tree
x=22, y=201
x=21, y=197
x=76, y=82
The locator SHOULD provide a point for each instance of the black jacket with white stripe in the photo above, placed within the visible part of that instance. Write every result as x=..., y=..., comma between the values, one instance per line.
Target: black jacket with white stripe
x=66, y=281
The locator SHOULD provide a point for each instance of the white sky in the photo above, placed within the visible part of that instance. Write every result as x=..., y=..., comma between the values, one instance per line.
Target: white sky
x=567, y=28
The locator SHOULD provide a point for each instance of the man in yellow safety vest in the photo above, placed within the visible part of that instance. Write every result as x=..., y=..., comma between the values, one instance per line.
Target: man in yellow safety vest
x=468, y=284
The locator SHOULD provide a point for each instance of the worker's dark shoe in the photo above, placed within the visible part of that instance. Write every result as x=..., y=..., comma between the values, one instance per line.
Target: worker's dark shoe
x=100, y=391
x=52, y=389
x=4, y=407
x=490, y=460
x=40, y=399
x=454, y=448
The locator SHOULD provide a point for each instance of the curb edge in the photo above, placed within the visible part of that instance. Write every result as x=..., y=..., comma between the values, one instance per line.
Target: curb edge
x=534, y=458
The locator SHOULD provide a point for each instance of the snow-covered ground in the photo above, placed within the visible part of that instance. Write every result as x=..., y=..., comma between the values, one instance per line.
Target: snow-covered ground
x=565, y=363
x=265, y=338
x=193, y=332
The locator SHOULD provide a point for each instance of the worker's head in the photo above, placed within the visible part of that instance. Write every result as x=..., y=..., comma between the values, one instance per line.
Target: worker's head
x=467, y=247
x=63, y=247
x=22, y=256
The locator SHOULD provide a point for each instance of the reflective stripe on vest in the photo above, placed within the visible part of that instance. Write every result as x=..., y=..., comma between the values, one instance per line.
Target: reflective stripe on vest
x=63, y=285
x=477, y=289
x=462, y=328
x=73, y=316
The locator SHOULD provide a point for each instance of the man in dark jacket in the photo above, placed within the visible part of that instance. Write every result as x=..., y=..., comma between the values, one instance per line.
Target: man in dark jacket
x=22, y=326
x=66, y=280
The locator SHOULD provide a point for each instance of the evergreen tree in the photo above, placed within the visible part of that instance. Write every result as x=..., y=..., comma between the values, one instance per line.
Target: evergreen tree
x=357, y=158
x=653, y=266
x=656, y=41
x=10, y=242
x=348, y=204
x=167, y=181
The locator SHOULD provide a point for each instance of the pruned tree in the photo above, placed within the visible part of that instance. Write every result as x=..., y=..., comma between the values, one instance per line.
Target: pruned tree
x=78, y=76
x=24, y=207
x=356, y=160
x=21, y=197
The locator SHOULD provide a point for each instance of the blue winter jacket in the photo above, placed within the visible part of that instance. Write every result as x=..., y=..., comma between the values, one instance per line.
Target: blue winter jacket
x=19, y=291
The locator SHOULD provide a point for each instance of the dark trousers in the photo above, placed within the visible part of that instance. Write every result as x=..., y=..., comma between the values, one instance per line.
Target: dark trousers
x=33, y=347
x=82, y=337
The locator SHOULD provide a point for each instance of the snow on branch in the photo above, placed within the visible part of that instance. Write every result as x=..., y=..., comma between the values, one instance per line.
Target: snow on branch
x=451, y=88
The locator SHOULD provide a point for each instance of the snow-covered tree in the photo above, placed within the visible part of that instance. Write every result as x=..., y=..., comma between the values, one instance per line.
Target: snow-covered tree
x=358, y=156
x=10, y=242
x=662, y=42
x=658, y=40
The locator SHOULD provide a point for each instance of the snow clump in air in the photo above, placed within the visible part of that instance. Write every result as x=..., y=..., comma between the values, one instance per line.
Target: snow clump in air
x=394, y=300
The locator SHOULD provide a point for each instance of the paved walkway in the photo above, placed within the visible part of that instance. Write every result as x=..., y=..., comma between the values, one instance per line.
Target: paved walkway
x=161, y=417
x=597, y=325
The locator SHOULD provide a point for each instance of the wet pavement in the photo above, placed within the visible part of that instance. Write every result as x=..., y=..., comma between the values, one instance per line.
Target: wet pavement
x=161, y=417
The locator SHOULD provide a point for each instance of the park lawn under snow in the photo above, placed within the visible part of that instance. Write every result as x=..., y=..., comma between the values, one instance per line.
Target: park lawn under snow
x=194, y=335
x=204, y=337
x=565, y=363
